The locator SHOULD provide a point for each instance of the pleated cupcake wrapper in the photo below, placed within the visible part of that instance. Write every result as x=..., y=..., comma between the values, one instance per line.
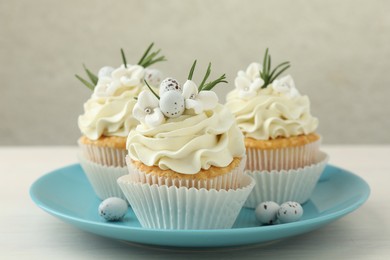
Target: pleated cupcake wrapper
x=171, y=207
x=104, y=155
x=226, y=181
x=283, y=158
x=281, y=186
x=103, y=179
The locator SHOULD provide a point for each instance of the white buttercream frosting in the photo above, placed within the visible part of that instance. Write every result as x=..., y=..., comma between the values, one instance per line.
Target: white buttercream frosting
x=249, y=81
x=108, y=116
x=275, y=111
x=113, y=82
x=109, y=110
x=188, y=143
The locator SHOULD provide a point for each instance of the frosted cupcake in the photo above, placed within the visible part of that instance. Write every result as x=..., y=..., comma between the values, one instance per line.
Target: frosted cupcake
x=186, y=159
x=280, y=133
x=108, y=119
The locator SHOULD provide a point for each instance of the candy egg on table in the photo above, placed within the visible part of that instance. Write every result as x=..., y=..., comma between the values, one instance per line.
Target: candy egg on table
x=169, y=84
x=153, y=76
x=290, y=212
x=113, y=209
x=266, y=212
x=172, y=104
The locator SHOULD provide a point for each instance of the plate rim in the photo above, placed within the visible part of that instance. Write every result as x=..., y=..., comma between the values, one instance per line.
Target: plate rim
x=317, y=220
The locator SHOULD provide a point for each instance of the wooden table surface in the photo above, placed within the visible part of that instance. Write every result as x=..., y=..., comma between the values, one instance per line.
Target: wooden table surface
x=27, y=232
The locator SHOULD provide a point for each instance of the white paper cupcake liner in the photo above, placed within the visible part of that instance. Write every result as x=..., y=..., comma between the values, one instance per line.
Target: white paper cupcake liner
x=103, y=179
x=104, y=155
x=171, y=207
x=286, y=185
x=283, y=158
x=226, y=181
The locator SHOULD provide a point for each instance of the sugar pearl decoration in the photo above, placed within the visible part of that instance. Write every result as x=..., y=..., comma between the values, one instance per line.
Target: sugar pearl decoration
x=169, y=84
x=148, y=110
x=266, y=212
x=172, y=104
x=290, y=212
x=113, y=209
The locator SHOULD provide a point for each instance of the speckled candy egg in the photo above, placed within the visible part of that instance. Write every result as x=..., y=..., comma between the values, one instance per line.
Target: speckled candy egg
x=169, y=84
x=266, y=212
x=153, y=77
x=172, y=104
x=290, y=212
x=113, y=209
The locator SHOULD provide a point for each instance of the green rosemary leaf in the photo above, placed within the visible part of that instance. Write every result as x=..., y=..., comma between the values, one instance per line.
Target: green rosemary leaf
x=208, y=71
x=91, y=76
x=192, y=70
x=267, y=75
x=149, y=58
x=150, y=88
x=145, y=53
x=280, y=72
x=85, y=82
x=269, y=64
x=277, y=67
x=208, y=85
x=212, y=84
x=124, y=58
x=265, y=61
x=159, y=59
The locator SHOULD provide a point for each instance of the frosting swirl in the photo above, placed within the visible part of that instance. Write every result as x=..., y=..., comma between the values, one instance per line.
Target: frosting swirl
x=109, y=110
x=271, y=114
x=188, y=143
x=114, y=82
x=108, y=116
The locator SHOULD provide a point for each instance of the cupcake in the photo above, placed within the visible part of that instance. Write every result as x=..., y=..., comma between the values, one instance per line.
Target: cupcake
x=108, y=119
x=281, y=142
x=185, y=159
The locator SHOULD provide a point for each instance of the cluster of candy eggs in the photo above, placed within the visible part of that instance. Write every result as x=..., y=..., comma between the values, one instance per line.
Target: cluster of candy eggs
x=171, y=99
x=270, y=212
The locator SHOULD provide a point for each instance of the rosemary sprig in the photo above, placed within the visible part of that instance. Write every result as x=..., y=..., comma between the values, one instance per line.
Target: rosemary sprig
x=206, y=76
x=124, y=58
x=150, y=88
x=145, y=61
x=92, y=77
x=149, y=59
x=145, y=53
x=192, y=70
x=269, y=76
x=85, y=82
x=212, y=84
x=209, y=85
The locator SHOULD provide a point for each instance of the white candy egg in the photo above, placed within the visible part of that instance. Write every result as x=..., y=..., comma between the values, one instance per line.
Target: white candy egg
x=153, y=77
x=169, y=84
x=290, y=212
x=113, y=209
x=105, y=72
x=172, y=104
x=266, y=212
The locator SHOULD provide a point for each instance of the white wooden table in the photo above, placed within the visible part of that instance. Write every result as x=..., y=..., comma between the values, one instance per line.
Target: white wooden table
x=27, y=232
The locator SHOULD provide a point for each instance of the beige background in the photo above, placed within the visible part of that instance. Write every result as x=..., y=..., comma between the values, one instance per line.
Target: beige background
x=339, y=50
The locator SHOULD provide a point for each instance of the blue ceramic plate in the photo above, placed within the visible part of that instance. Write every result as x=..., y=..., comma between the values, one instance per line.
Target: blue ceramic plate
x=66, y=194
